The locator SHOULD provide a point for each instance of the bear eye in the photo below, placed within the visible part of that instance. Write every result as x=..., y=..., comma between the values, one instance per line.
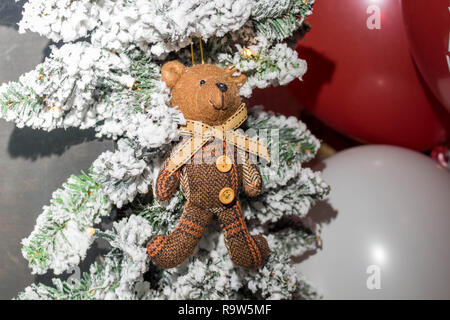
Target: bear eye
x=202, y=82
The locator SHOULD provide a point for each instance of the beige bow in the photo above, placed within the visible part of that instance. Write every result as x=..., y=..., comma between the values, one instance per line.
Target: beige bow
x=200, y=133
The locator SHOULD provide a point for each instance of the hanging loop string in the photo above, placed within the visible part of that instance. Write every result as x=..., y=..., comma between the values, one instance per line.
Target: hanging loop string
x=201, y=50
x=192, y=50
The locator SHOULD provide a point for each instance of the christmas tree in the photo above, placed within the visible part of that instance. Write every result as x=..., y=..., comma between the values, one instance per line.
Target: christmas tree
x=106, y=74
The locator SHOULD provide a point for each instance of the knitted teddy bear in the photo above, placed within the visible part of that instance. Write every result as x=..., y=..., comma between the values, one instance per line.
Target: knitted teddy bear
x=211, y=162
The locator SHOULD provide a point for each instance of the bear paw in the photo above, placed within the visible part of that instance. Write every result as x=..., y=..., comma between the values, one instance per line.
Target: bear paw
x=263, y=247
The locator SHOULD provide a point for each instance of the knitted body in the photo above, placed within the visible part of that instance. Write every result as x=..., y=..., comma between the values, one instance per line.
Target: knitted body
x=201, y=184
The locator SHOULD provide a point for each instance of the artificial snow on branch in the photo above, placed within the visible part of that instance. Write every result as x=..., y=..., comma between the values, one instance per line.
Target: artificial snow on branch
x=115, y=278
x=122, y=174
x=297, y=197
x=278, y=20
x=62, y=91
x=57, y=20
x=64, y=230
x=265, y=65
x=83, y=86
x=159, y=27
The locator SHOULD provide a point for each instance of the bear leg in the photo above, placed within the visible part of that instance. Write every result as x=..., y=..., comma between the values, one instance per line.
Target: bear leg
x=171, y=250
x=245, y=250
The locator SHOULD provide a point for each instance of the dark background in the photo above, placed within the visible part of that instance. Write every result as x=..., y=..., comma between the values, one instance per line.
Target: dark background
x=33, y=163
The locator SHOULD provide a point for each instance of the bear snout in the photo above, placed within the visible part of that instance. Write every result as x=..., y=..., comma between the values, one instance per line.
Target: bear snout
x=218, y=106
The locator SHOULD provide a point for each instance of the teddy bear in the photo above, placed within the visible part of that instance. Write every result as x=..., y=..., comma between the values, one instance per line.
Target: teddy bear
x=211, y=163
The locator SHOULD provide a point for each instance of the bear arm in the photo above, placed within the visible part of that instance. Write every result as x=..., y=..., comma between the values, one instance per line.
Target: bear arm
x=250, y=176
x=166, y=183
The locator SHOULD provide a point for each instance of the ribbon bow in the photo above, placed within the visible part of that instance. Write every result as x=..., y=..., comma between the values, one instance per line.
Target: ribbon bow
x=200, y=133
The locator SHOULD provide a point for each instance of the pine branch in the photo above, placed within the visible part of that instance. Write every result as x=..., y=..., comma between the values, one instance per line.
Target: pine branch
x=263, y=62
x=63, y=90
x=277, y=23
x=116, y=278
x=66, y=20
x=295, y=142
x=288, y=188
x=162, y=219
x=62, y=233
x=83, y=86
x=19, y=99
x=87, y=288
x=123, y=173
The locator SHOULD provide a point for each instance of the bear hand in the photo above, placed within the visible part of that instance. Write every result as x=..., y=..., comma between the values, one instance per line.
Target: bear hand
x=166, y=183
x=251, y=178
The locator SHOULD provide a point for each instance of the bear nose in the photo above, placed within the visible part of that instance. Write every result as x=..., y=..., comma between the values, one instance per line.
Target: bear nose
x=222, y=86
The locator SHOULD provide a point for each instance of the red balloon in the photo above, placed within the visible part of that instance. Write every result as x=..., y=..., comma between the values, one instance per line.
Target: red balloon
x=361, y=79
x=427, y=26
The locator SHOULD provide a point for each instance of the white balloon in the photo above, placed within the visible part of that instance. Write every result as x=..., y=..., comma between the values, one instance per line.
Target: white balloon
x=385, y=227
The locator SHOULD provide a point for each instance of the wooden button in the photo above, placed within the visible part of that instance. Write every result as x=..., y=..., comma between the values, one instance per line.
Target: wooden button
x=226, y=195
x=223, y=163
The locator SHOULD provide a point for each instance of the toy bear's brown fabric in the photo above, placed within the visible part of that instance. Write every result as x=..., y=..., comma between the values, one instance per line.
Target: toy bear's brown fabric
x=203, y=92
x=209, y=94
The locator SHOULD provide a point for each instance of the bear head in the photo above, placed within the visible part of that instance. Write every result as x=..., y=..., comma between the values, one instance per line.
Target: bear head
x=203, y=92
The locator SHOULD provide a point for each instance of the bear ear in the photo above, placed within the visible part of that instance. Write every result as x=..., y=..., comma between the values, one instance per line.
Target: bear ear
x=239, y=80
x=171, y=72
